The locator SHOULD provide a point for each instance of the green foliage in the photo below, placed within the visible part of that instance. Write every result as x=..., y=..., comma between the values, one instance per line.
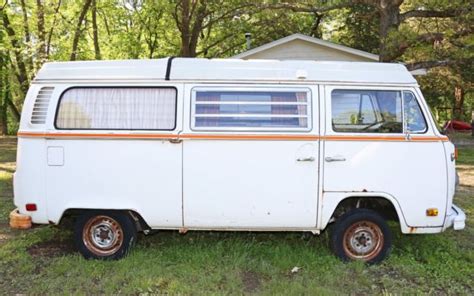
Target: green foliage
x=357, y=27
x=136, y=29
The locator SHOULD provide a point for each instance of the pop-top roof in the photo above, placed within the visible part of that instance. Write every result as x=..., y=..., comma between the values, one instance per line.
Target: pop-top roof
x=195, y=69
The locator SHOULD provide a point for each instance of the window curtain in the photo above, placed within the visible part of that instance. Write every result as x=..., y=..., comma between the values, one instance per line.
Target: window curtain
x=207, y=108
x=301, y=98
x=118, y=108
x=281, y=109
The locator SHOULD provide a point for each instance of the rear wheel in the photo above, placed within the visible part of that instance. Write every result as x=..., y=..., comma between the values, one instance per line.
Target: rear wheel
x=363, y=235
x=104, y=235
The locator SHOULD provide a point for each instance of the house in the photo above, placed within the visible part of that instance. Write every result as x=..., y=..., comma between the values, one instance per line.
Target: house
x=303, y=47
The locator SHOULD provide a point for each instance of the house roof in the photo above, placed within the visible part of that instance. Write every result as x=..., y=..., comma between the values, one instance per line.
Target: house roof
x=228, y=70
x=310, y=39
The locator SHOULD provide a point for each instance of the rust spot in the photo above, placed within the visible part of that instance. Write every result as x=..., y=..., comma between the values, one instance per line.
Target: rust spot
x=183, y=230
x=412, y=229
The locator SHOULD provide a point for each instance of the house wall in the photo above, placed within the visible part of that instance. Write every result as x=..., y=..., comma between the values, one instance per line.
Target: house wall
x=303, y=50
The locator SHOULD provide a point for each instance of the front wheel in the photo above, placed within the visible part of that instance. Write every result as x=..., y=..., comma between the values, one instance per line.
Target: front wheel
x=104, y=234
x=363, y=235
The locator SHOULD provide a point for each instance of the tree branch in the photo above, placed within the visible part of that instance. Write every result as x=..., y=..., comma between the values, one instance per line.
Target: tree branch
x=307, y=8
x=21, y=73
x=440, y=63
x=51, y=30
x=434, y=13
x=205, y=49
x=77, y=33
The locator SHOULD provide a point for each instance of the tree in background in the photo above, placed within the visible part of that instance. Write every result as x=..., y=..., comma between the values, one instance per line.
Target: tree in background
x=422, y=33
x=356, y=27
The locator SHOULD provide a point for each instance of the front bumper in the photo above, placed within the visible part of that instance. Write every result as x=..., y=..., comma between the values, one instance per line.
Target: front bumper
x=455, y=218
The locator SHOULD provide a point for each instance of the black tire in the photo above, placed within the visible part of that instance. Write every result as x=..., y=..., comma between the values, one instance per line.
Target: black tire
x=106, y=235
x=363, y=235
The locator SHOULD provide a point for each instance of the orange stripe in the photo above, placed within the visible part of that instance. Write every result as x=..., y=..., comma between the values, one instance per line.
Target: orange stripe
x=250, y=137
x=235, y=137
x=92, y=135
x=386, y=138
x=426, y=138
x=365, y=138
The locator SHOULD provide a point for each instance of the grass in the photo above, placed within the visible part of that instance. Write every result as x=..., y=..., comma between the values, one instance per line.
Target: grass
x=466, y=156
x=42, y=260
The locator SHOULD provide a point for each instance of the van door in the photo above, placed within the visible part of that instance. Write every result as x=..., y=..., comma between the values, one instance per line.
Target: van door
x=251, y=158
x=378, y=140
x=115, y=148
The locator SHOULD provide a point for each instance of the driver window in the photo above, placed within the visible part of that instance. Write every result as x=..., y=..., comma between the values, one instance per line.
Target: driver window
x=366, y=111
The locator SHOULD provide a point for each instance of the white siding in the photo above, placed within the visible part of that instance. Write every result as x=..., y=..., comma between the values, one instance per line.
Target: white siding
x=304, y=50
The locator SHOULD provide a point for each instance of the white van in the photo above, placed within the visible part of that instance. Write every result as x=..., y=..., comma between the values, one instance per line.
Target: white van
x=258, y=145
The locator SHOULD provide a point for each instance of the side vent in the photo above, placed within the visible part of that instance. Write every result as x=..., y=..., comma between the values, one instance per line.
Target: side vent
x=40, y=108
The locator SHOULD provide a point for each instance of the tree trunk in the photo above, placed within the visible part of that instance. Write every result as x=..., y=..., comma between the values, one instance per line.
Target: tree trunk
x=4, y=109
x=184, y=28
x=77, y=33
x=189, y=18
x=389, y=11
x=95, y=32
x=16, y=113
x=51, y=29
x=20, y=73
x=458, y=111
x=41, y=33
x=26, y=28
x=3, y=96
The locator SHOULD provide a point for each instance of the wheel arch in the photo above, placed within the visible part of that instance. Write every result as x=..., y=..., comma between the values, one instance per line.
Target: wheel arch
x=333, y=201
x=69, y=215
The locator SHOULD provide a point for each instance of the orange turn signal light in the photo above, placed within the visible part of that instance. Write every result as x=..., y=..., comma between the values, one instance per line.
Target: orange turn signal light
x=432, y=212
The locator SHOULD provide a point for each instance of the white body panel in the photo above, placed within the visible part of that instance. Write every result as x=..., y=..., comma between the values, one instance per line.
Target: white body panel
x=142, y=175
x=237, y=179
x=254, y=184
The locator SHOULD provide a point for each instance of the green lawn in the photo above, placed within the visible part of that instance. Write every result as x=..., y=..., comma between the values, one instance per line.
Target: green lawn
x=466, y=155
x=42, y=260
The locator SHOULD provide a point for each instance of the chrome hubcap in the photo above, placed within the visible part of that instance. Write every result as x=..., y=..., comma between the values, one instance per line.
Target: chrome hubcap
x=363, y=240
x=103, y=235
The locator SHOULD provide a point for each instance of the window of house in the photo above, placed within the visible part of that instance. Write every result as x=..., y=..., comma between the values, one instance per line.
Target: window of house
x=263, y=110
x=415, y=121
x=367, y=111
x=117, y=109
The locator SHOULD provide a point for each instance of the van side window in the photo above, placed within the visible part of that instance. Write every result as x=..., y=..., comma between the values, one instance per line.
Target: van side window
x=367, y=111
x=250, y=110
x=415, y=121
x=117, y=109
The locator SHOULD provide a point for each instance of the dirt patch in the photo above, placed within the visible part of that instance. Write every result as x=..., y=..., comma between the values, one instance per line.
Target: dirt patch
x=51, y=249
x=251, y=281
x=4, y=238
x=466, y=174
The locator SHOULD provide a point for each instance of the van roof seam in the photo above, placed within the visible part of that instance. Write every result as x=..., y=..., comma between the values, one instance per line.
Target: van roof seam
x=168, y=68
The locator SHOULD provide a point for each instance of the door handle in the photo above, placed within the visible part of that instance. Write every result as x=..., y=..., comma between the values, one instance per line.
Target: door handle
x=305, y=159
x=334, y=158
x=175, y=141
